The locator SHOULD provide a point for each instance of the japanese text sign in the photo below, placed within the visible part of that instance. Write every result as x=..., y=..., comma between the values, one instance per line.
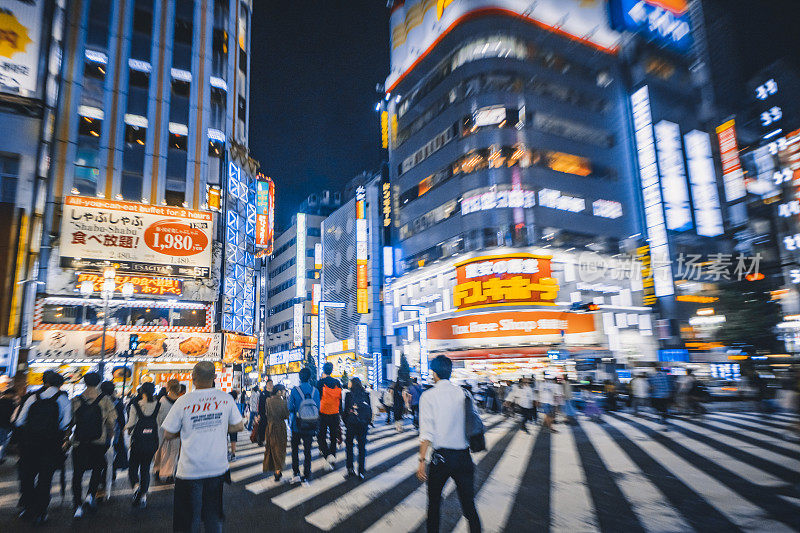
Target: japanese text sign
x=504, y=280
x=265, y=213
x=150, y=286
x=136, y=238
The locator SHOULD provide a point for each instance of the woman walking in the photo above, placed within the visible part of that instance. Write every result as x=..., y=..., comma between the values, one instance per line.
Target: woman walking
x=143, y=428
x=165, y=462
x=399, y=405
x=357, y=418
x=275, y=415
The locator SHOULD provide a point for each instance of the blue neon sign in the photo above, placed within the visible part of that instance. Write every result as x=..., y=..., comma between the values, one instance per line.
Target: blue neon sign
x=664, y=21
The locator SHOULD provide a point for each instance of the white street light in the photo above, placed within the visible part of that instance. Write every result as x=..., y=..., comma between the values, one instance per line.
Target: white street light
x=127, y=290
x=87, y=288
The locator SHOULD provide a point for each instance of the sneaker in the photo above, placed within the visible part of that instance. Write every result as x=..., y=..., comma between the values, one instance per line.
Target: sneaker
x=350, y=474
x=361, y=476
x=101, y=494
x=91, y=501
x=135, y=488
x=136, y=498
x=305, y=481
x=25, y=515
x=233, y=458
x=278, y=477
x=296, y=479
x=143, y=501
x=78, y=513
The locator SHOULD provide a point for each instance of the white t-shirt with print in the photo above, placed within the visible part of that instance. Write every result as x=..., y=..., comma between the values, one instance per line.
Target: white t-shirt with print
x=202, y=417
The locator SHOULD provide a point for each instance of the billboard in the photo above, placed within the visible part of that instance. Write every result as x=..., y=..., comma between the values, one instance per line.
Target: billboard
x=239, y=348
x=703, y=179
x=417, y=25
x=265, y=213
x=152, y=345
x=503, y=280
x=362, y=253
x=20, y=41
x=732, y=173
x=136, y=238
x=673, y=176
x=510, y=324
x=665, y=21
x=141, y=285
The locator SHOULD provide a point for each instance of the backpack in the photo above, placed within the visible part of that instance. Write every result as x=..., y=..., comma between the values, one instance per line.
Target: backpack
x=330, y=400
x=473, y=426
x=361, y=412
x=42, y=425
x=145, y=433
x=88, y=420
x=307, y=412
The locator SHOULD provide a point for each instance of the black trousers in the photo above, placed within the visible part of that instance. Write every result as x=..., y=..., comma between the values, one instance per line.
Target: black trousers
x=36, y=469
x=328, y=424
x=415, y=415
x=356, y=432
x=526, y=415
x=662, y=406
x=87, y=457
x=198, y=501
x=456, y=464
x=139, y=468
x=308, y=441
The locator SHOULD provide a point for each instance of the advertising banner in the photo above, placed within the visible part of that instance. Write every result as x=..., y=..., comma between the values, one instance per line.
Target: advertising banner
x=665, y=21
x=504, y=280
x=239, y=348
x=20, y=42
x=416, y=25
x=141, y=285
x=510, y=324
x=265, y=213
x=155, y=345
x=732, y=173
x=136, y=238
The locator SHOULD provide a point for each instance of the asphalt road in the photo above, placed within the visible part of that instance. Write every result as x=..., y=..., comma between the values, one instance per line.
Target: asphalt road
x=728, y=471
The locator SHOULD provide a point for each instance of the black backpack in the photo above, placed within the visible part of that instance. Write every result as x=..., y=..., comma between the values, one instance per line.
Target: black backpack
x=361, y=412
x=88, y=420
x=42, y=425
x=145, y=433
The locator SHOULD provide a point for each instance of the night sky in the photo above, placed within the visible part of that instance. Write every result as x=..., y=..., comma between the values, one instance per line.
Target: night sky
x=314, y=69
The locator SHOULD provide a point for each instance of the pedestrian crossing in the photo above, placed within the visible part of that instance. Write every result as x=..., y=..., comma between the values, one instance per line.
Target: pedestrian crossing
x=721, y=471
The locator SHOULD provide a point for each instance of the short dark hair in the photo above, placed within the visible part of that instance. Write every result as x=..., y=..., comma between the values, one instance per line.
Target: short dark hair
x=304, y=375
x=327, y=368
x=52, y=378
x=92, y=379
x=442, y=366
x=107, y=388
x=148, y=390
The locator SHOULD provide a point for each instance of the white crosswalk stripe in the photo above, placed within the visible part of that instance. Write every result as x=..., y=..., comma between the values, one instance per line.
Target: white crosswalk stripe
x=735, y=508
x=572, y=506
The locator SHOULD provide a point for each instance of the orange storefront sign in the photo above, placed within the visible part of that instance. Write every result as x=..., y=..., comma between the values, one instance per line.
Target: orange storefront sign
x=511, y=324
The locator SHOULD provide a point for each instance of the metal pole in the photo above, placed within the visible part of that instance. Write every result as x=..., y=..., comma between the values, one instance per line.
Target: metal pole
x=102, y=366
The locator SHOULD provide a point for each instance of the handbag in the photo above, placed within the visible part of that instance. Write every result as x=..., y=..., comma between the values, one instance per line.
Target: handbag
x=473, y=426
x=254, y=432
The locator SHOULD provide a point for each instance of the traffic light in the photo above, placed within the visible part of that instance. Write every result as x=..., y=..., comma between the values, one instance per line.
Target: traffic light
x=581, y=307
x=133, y=342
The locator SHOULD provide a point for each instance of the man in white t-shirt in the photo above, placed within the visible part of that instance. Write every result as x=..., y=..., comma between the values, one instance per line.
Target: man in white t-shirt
x=202, y=419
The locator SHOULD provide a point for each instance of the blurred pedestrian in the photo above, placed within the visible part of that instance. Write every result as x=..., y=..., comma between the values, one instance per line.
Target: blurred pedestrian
x=233, y=436
x=117, y=454
x=304, y=421
x=442, y=428
x=94, y=417
x=262, y=415
x=255, y=392
x=8, y=404
x=661, y=391
x=548, y=390
x=388, y=402
x=202, y=419
x=165, y=462
x=399, y=405
x=358, y=416
x=143, y=429
x=330, y=425
x=640, y=389
x=43, y=421
x=522, y=397
x=276, y=414
x=610, y=393
x=415, y=391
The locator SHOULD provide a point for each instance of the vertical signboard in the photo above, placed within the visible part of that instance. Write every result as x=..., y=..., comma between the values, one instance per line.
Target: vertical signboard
x=673, y=176
x=300, y=245
x=651, y=192
x=732, y=174
x=704, y=184
x=265, y=213
x=362, y=340
x=20, y=41
x=297, y=329
x=362, y=253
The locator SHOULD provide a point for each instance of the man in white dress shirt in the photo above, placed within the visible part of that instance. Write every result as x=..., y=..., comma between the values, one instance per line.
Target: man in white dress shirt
x=442, y=420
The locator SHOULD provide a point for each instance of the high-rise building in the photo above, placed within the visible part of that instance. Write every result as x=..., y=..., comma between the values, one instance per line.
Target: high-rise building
x=293, y=273
x=510, y=160
x=29, y=72
x=150, y=175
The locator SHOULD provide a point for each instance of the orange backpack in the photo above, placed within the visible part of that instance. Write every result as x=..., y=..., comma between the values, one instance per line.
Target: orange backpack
x=330, y=401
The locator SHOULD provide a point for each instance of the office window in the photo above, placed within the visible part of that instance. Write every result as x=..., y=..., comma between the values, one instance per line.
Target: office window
x=9, y=175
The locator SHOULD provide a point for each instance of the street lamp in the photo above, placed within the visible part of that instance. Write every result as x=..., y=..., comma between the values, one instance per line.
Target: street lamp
x=423, y=337
x=106, y=294
x=321, y=331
